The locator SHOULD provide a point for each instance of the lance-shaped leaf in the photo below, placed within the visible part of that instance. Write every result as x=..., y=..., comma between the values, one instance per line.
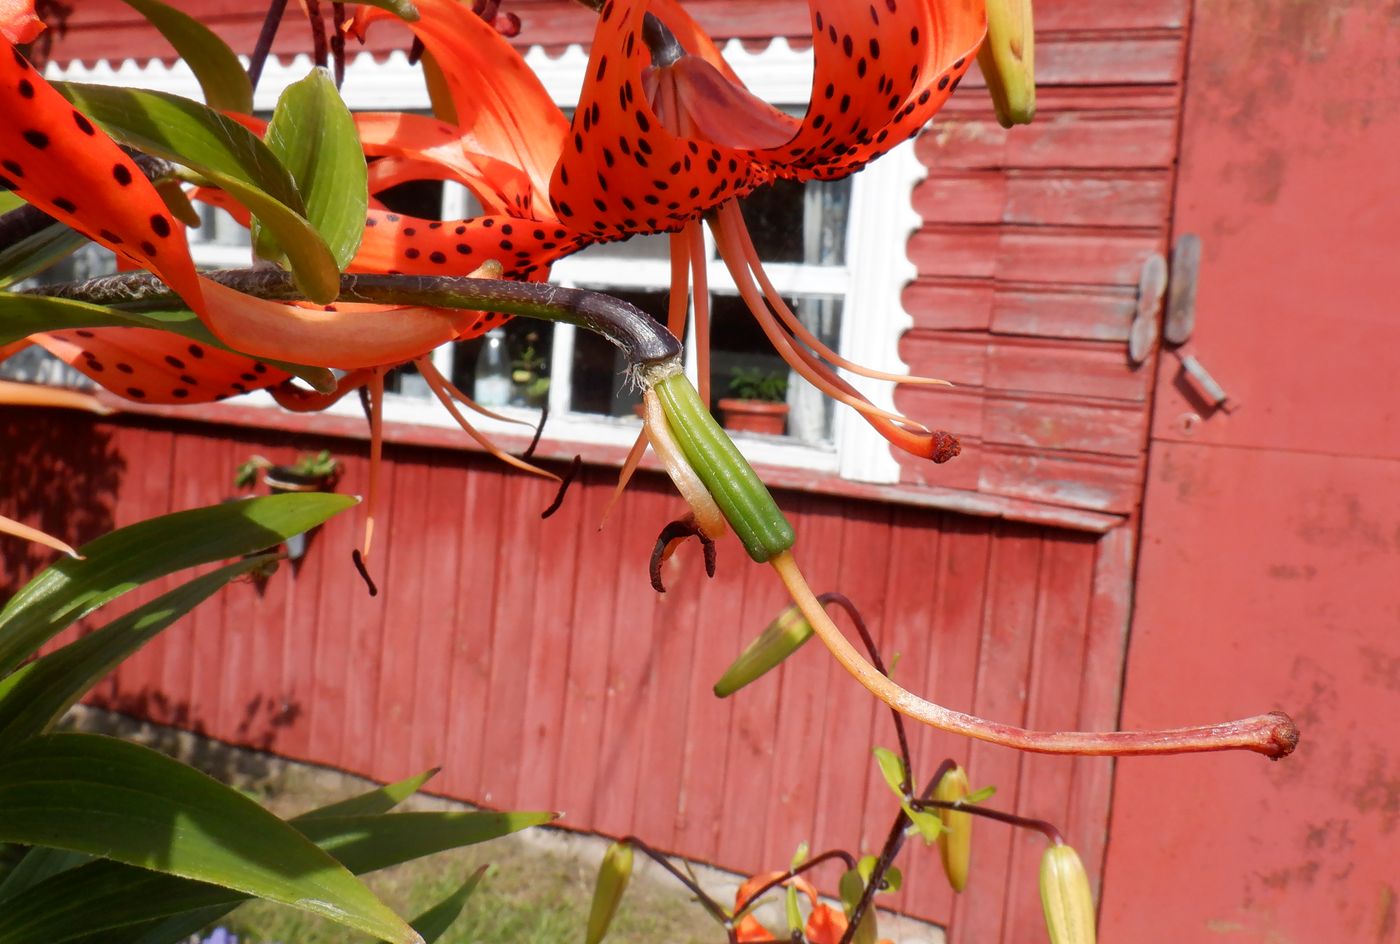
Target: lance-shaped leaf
x=313, y=134
x=226, y=153
x=24, y=315
x=38, y=864
x=128, y=803
x=433, y=923
x=215, y=66
x=36, y=695
x=186, y=924
x=115, y=563
x=37, y=251
x=892, y=769
x=90, y=901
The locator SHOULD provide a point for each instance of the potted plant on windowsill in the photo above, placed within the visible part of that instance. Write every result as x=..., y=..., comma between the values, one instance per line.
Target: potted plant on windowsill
x=316, y=472
x=758, y=404
x=310, y=473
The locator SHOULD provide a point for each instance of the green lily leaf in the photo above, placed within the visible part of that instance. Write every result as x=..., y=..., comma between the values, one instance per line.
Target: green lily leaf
x=38, y=864
x=380, y=800
x=927, y=824
x=891, y=768
x=130, y=804
x=188, y=923
x=220, y=74
x=38, y=251
x=36, y=695
x=9, y=200
x=69, y=589
x=23, y=315
x=91, y=901
x=433, y=923
x=313, y=134
x=229, y=155
x=980, y=796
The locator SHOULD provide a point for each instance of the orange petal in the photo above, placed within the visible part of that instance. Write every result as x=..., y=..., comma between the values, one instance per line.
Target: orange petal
x=18, y=24
x=825, y=925
x=59, y=161
x=499, y=101
x=881, y=70
x=158, y=367
x=623, y=170
x=13, y=393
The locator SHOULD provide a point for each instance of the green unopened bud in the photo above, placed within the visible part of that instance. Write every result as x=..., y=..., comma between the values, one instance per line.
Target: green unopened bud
x=731, y=481
x=1064, y=892
x=784, y=636
x=955, y=841
x=1007, y=59
x=613, y=875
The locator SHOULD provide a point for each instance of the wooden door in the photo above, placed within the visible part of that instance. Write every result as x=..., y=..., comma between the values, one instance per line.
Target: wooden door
x=1269, y=571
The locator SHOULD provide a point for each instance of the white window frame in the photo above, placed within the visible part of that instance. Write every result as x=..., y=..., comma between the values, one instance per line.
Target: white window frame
x=880, y=219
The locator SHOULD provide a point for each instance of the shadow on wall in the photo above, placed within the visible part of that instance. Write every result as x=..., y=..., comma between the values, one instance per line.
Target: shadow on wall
x=173, y=728
x=60, y=472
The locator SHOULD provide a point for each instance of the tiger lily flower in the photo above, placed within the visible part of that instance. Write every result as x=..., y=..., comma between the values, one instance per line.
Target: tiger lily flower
x=824, y=925
x=665, y=133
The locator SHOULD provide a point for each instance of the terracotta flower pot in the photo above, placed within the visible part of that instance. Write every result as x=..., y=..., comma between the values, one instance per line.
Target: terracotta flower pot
x=753, y=416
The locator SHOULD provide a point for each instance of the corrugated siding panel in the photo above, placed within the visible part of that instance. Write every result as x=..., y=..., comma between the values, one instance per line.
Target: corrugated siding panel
x=532, y=661
x=1029, y=257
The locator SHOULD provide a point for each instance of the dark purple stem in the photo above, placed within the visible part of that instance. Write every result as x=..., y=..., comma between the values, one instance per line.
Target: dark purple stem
x=841, y=600
x=264, y=45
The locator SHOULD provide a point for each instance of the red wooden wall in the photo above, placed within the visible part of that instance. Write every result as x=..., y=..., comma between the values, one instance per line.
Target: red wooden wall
x=533, y=662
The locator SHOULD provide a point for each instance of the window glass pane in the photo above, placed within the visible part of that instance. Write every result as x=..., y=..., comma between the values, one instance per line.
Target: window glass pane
x=599, y=384
x=528, y=346
x=771, y=213
x=743, y=364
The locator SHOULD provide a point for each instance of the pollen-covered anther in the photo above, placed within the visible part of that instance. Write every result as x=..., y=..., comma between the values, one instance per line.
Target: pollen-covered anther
x=670, y=538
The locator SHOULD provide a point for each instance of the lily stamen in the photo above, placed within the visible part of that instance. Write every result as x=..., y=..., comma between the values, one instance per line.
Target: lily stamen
x=439, y=385
x=670, y=538
x=793, y=323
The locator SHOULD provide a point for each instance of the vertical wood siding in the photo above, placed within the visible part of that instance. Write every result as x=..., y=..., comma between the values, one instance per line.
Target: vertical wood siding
x=532, y=661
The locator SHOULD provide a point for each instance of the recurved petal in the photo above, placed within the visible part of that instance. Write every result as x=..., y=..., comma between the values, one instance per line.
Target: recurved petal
x=498, y=99
x=158, y=367
x=881, y=70
x=624, y=169
x=57, y=159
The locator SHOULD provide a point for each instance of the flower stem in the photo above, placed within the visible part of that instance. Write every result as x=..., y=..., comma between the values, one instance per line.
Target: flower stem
x=1273, y=735
x=643, y=341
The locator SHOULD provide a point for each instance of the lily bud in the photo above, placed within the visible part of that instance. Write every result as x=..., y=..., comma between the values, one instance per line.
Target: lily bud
x=613, y=876
x=1007, y=59
x=955, y=841
x=1064, y=892
x=784, y=636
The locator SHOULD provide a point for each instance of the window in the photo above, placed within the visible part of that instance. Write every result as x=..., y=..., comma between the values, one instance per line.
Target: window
x=841, y=270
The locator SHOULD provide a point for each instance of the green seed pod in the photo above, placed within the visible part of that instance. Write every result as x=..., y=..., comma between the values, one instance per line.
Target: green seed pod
x=613, y=875
x=784, y=636
x=731, y=481
x=955, y=841
x=1007, y=60
x=1064, y=892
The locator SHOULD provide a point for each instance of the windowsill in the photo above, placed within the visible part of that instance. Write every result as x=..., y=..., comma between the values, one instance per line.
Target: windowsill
x=779, y=464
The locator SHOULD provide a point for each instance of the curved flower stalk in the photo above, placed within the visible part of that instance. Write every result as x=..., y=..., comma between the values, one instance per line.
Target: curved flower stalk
x=768, y=538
